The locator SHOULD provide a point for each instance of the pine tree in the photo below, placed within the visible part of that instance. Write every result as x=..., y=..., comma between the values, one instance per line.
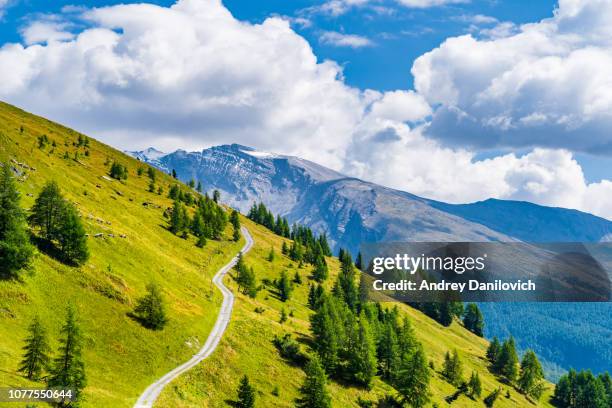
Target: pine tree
x=150, y=309
x=271, y=255
x=412, y=381
x=177, y=219
x=473, y=319
x=507, y=364
x=48, y=210
x=312, y=300
x=388, y=351
x=474, y=386
x=68, y=369
x=235, y=221
x=216, y=196
x=406, y=338
x=320, y=272
x=201, y=241
x=118, y=171
x=199, y=187
x=314, y=390
x=452, y=369
x=59, y=221
x=71, y=236
x=445, y=314
x=359, y=261
x=246, y=394
x=362, y=354
x=493, y=351
x=15, y=248
x=346, y=282
x=325, y=329
x=284, y=287
x=36, y=356
x=531, y=379
x=284, y=249
x=174, y=176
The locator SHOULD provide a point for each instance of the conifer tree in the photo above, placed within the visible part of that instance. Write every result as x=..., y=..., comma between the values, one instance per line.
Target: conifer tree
x=118, y=171
x=412, y=381
x=473, y=319
x=284, y=287
x=36, y=356
x=68, y=369
x=150, y=309
x=474, y=386
x=507, y=363
x=15, y=248
x=531, y=379
x=493, y=351
x=359, y=261
x=59, y=222
x=346, y=282
x=284, y=249
x=388, y=351
x=246, y=394
x=320, y=272
x=199, y=187
x=201, y=241
x=362, y=353
x=174, y=176
x=216, y=196
x=452, y=368
x=325, y=331
x=178, y=220
x=271, y=255
x=71, y=236
x=312, y=301
x=407, y=341
x=445, y=314
x=48, y=210
x=314, y=390
x=235, y=221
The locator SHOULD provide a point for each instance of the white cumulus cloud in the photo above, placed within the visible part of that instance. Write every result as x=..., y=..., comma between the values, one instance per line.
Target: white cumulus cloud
x=191, y=76
x=544, y=84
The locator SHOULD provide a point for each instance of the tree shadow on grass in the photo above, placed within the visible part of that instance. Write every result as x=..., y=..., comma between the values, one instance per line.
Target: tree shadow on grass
x=51, y=250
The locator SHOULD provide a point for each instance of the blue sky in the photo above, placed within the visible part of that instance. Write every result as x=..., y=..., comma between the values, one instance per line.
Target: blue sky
x=455, y=100
x=398, y=39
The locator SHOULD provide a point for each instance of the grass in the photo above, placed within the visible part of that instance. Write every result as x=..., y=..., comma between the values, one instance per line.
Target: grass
x=247, y=348
x=121, y=356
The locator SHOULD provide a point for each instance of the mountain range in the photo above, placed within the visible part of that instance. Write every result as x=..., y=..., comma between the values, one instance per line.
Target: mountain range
x=351, y=211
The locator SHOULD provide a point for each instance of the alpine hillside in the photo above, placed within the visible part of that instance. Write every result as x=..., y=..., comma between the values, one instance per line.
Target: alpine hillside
x=351, y=211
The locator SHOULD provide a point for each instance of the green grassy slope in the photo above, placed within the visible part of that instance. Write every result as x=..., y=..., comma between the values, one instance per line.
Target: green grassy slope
x=121, y=357
x=247, y=348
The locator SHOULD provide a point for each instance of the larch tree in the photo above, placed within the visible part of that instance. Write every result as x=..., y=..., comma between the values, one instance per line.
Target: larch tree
x=36, y=351
x=15, y=249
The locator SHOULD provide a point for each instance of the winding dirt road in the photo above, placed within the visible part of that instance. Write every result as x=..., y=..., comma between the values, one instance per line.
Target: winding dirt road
x=149, y=396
